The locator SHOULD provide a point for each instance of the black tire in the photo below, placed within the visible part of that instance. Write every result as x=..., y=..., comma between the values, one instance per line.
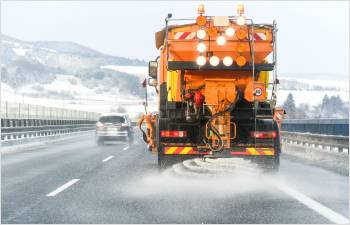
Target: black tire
x=269, y=164
x=275, y=164
x=272, y=164
x=167, y=161
x=163, y=162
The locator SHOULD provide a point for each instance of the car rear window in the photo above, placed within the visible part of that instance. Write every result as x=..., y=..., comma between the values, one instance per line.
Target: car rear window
x=112, y=119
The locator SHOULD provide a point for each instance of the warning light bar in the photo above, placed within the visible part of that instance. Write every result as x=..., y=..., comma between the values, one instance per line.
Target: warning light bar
x=263, y=134
x=173, y=133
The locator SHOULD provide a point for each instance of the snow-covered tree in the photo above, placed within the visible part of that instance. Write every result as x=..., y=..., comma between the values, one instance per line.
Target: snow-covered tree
x=289, y=106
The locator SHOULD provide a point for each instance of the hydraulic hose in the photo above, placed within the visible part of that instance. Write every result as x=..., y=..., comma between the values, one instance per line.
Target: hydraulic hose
x=214, y=130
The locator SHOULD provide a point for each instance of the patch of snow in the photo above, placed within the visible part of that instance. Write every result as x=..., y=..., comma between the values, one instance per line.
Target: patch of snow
x=312, y=98
x=48, y=49
x=139, y=71
x=5, y=41
x=20, y=51
x=39, y=60
x=84, y=98
x=5, y=88
x=342, y=84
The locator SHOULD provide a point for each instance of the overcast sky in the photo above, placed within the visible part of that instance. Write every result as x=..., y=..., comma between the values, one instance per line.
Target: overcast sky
x=313, y=37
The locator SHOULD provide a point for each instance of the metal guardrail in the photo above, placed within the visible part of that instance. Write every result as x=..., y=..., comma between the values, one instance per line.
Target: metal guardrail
x=15, y=133
x=324, y=142
x=317, y=126
x=25, y=121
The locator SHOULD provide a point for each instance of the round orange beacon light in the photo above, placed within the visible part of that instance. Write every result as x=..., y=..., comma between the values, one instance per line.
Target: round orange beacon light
x=201, y=20
x=212, y=31
x=241, y=61
x=241, y=34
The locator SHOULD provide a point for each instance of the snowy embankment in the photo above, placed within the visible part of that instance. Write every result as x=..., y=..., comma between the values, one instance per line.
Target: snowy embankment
x=336, y=162
x=140, y=71
x=311, y=91
x=67, y=91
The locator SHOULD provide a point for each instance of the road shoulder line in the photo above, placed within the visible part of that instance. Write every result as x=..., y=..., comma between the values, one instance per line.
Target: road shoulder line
x=314, y=205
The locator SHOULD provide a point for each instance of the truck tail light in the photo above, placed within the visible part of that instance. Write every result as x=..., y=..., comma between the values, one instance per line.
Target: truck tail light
x=263, y=134
x=173, y=133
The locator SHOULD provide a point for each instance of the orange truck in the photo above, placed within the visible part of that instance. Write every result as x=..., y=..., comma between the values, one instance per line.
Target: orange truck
x=216, y=83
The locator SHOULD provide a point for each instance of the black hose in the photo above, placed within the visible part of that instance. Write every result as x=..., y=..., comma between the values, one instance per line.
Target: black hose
x=215, y=131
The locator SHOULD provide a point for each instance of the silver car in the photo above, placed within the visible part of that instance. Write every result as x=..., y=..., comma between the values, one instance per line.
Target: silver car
x=114, y=127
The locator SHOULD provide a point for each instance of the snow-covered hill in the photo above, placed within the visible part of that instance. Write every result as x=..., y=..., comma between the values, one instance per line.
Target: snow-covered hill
x=66, y=71
x=25, y=63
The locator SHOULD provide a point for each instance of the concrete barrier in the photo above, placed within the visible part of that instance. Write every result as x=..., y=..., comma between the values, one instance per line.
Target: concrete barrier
x=327, y=151
x=317, y=126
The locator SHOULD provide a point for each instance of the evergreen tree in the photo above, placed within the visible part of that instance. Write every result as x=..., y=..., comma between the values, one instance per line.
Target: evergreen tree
x=325, y=102
x=289, y=106
x=332, y=107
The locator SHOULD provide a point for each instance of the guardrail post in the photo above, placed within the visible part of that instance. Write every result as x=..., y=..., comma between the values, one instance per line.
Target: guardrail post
x=6, y=110
x=19, y=110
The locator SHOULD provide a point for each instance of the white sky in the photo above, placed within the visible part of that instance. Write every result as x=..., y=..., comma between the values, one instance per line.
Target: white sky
x=313, y=36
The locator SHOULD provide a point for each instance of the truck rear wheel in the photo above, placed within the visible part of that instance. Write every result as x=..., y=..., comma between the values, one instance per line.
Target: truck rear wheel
x=166, y=161
x=270, y=164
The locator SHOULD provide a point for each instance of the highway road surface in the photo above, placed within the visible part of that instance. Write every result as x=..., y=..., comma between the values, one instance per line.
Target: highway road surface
x=80, y=182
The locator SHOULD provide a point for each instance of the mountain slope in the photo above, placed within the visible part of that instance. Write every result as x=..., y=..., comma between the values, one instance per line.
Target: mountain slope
x=26, y=63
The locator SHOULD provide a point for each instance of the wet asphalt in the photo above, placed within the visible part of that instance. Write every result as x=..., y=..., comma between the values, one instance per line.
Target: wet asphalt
x=128, y=188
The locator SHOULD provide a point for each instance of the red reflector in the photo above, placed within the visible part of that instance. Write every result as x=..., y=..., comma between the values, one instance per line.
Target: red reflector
x=263, y=134
x=173, y=133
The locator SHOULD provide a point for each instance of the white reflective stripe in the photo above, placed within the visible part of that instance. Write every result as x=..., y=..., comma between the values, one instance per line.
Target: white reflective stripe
x=191, y=36
x=262, y=36
x=178, y=35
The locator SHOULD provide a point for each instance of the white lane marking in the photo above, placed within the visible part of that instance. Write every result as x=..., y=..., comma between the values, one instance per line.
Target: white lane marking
x=312, y=204
x=108, y=158
x=125, y=148
x=62, y=188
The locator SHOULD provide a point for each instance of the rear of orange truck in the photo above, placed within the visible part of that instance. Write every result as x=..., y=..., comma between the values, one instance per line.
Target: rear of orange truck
x=216, y=81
